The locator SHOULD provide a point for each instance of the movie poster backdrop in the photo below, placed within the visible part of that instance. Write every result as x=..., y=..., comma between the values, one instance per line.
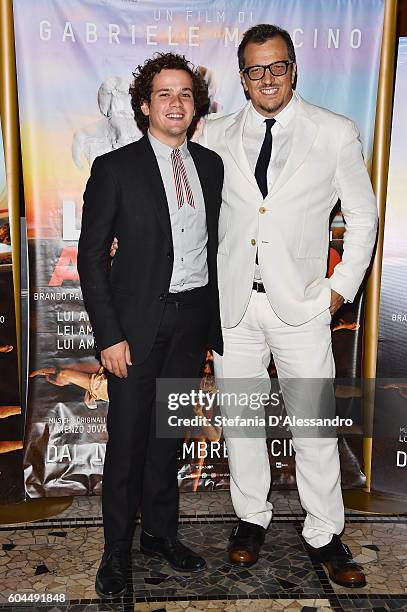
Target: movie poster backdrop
x=11, y=420
x=389, y=459
x=74, y=65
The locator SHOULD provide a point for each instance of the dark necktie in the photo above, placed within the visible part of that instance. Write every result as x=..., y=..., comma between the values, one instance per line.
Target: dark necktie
x=264, y=158
x=263, y=162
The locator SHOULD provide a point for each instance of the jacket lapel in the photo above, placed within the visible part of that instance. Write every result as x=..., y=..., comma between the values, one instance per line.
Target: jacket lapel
x=234, y=141
x=204, y=178
x=151, y=173
x=305, y=131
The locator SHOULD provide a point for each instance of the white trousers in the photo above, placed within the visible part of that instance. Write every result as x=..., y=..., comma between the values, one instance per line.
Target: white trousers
x=300, y=352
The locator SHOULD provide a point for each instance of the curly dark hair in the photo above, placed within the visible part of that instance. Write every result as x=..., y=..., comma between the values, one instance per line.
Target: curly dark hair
x=140, y=89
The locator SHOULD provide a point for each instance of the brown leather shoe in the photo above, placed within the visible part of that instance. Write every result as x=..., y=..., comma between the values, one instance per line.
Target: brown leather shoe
x=337, y=559
x=246, y=540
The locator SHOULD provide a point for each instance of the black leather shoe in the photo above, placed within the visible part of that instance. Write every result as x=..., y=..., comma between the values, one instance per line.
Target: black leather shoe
x=245, y=543
x=337, y=559
x=180, y=557
x=112, y=572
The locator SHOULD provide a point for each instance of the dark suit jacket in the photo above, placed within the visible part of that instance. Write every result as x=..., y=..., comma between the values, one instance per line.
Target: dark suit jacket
x=125, y=197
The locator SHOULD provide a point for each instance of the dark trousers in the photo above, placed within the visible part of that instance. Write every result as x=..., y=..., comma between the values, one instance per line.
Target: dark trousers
x=140, y=469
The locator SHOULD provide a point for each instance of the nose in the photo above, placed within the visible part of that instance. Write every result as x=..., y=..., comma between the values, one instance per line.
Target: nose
x=268, y=75
x=176, y=100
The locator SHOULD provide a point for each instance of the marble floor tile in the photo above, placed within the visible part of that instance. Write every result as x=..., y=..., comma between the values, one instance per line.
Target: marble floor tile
x=191, y=504
x=271, y=605
x=41, y=563
x=61, y=556
x=284, y=567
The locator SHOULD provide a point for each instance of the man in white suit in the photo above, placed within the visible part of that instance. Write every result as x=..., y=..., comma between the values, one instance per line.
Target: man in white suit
x=286, y=164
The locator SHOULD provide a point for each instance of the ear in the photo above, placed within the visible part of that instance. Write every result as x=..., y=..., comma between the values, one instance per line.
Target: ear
x=243, y=81
x=145, y=108
x=293, y=73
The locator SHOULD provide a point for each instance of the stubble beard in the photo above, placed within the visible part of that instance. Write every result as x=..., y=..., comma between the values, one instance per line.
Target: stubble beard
x=271, y=109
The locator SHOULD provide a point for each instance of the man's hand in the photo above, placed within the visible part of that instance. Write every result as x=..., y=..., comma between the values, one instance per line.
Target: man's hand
x=336, y=302
x=116, y=358
x=113, y=248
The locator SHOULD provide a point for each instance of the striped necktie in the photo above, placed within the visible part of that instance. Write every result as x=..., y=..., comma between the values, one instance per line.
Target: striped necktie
x=182, y=186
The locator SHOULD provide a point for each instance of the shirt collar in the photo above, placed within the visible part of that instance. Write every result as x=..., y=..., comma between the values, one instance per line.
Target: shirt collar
x=283, y=117
x=162, y=150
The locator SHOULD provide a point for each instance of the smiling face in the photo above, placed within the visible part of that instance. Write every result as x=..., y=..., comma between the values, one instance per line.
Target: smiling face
x=171, y=107
x=271, y=94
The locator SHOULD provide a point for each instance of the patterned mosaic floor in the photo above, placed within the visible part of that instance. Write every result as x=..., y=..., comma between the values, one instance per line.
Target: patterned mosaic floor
x=59, y=557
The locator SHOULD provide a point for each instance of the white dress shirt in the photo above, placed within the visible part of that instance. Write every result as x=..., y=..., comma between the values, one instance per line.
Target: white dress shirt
x=282, y=131
x=188, y=224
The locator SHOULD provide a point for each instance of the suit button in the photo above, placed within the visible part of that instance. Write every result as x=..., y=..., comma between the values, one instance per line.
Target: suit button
x=262, y=210
x=161, y=297
x=168, y=255
x=253, y=242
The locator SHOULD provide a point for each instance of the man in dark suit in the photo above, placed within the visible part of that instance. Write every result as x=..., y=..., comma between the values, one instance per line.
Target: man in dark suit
x=156, y=309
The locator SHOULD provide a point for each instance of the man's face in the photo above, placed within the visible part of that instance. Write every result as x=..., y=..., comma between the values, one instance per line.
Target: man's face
x=171, y=108
x=271, y=94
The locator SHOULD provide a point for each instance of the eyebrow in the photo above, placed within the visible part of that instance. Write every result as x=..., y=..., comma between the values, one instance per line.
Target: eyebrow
x=170, y=89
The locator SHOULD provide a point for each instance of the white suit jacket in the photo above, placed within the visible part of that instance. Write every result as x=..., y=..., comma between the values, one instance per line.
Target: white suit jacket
x=290, y=228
